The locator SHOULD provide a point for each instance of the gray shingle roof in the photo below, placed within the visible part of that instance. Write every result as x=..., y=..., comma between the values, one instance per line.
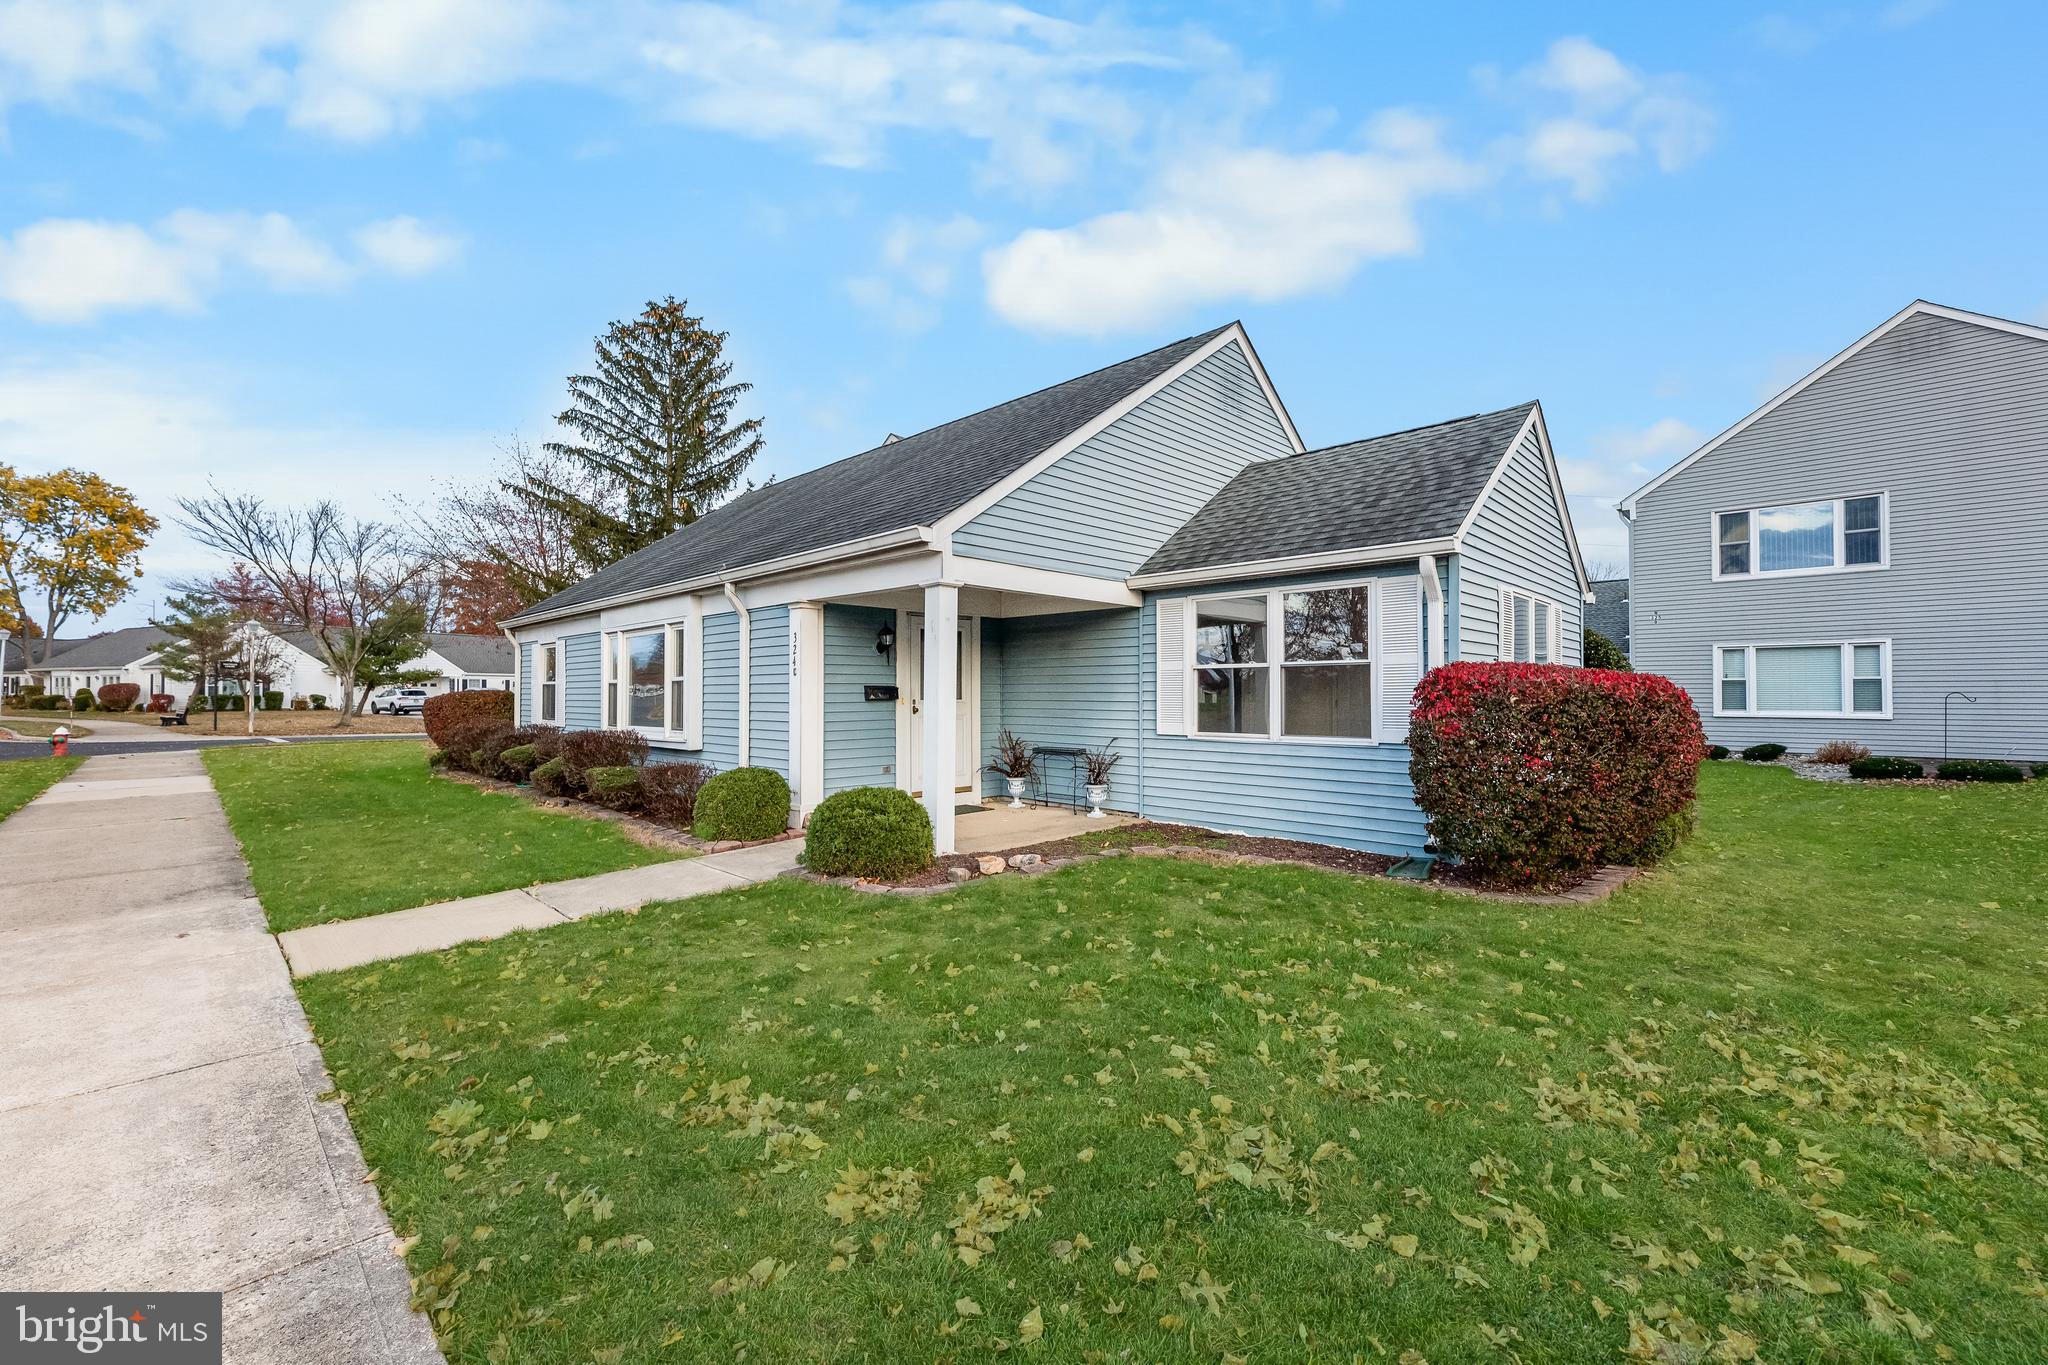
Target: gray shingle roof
x=1410, y=485
x=913, y=481
x=114, y=649
x=474, y=654
x=1608, y=612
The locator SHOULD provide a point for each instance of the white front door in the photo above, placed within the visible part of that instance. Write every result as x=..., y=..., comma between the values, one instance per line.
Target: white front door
x=966, y=702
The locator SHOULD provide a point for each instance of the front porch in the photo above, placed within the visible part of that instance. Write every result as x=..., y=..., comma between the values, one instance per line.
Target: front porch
x=993, y=826
x=1051, y=656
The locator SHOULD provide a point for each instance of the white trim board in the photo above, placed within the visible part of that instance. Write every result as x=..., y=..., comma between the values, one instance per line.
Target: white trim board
x=1917, y=308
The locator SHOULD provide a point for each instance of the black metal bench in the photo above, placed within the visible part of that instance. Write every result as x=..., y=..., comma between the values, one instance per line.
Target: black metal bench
x=183, y=717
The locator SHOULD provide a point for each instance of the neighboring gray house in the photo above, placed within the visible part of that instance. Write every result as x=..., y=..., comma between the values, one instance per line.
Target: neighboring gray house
x=1607, y=613
x=1145, y=557
x=1868, y=543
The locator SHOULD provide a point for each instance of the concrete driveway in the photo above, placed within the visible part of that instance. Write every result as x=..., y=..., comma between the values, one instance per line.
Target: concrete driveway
x=160, y=1126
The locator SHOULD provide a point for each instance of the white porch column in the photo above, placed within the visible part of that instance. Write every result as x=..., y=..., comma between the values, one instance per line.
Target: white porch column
x=806, y=707
x=941, y=712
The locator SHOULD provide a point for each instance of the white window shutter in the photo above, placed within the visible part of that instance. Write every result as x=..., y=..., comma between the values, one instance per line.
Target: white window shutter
x=1504, y=645
x=1170, y=664
x=693, y=679
x=1400, y=660
x=1546, y=624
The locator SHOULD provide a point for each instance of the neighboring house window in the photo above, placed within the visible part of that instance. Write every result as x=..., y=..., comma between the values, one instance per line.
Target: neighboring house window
x=1801, y=538
x=1821, y=679
x=1529, y=628
x=1323, y=688
x=548, y=666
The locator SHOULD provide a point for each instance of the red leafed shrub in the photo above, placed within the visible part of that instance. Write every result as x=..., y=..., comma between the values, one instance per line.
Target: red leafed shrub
x=119, y=696
x=1531, y=773
x=670, y=791
x=161, y=701
x=582, y=750
x=443, y=713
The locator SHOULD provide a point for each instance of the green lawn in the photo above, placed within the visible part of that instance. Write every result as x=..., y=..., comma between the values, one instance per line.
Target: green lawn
x=338, y=830
x=22, y=780
x=1782, y=1101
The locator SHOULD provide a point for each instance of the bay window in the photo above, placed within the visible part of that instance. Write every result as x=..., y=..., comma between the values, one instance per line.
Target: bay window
x=1801, y=538
x=1808, y=679
x=1317, y=684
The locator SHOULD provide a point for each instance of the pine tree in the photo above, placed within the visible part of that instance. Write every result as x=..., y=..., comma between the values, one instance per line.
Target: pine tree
x=202, y=632
x=657, y=431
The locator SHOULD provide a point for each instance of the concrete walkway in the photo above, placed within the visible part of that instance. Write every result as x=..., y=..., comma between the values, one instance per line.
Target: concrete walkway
x=429, y=928
x=159, y=1121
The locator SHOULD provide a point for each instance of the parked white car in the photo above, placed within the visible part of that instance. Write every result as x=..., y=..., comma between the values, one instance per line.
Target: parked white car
x=399, y=701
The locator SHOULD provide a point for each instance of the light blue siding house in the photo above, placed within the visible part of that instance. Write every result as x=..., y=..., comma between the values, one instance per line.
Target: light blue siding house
x=1144, y=558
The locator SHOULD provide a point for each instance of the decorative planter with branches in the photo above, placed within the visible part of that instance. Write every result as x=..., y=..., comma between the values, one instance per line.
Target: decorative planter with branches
x=1097, y=764
x=1011, y=759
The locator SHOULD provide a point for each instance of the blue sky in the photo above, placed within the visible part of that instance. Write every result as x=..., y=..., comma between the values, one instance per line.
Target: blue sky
x=347, y=249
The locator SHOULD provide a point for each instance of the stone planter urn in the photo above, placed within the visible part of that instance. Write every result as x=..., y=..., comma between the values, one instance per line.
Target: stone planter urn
x=1098, y=792
x=1016, y=786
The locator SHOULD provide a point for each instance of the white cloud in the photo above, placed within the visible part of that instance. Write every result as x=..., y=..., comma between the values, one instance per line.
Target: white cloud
x=1230, y=223
x=915, y=270
x=162, y=432
x=1906, y=13
x=373, y=66
x=72, y=270
x=1643, y=449
x=1615, y=114
x=406, y=246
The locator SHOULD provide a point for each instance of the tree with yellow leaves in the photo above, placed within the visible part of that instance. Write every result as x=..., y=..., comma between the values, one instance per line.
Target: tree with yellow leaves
x=72, y=540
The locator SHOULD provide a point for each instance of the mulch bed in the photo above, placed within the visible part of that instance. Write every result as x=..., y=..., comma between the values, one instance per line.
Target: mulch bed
x=635, y=827
x=1208, y=846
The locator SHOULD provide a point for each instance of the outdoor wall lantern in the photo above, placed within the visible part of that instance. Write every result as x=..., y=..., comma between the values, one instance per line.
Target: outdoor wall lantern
x=885, y=639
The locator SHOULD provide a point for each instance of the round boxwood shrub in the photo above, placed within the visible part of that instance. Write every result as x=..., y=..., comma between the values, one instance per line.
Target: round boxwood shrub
x=1882, y=769
x=746, y=803
x=551, y=779
x=880, y=833
x=1602, y=652
x=518, y=762
x=1764, y=753
x=1980, y=770
x=1533, y=773
x=1717, y=751
x=615, y=788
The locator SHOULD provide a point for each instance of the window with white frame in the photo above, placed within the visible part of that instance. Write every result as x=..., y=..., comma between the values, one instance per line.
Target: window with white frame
x=1316, y=683
x=1529, y=629
x=1847, y=678
x=646, y=681
x=547, y=667
x=1801, y=538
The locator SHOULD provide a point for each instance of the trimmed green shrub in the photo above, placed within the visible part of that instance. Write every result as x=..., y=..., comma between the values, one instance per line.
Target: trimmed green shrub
x=517, y=763
x=1602, y=652
x=550, y=779
x=273, y=701
x=746, y=803
x=1980, y=770
x=82, y=699
x=1717, y=751
x=582, y=750
x=881, y=833
x=443, y=713
x=1763, y=753
x=319, y=700
x=437, y=758
x=44, y=703
x=1532, y=773
x=1882, y=769
x=669, y=791
x=2041, y=770
x=613, y=788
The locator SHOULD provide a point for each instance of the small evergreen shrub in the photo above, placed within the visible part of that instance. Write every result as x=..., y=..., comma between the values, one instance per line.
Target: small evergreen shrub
x=82, y=699
x=614, y=788
x=119, y=696
x=517, y=763
x=551, y=779
x=1532, y=773
x=1980, y=770
x=880, y=833
x=44, y=703
x=1717, y=751
x=582, y=750
x=746, y=803
x=1763, y=753
x=443, y=713
x=437, y=758
x=1841, y=751
x=1602, y=652
x=669, y=791
x=1882, y=769
x=2041, y=770
x=319, y=700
